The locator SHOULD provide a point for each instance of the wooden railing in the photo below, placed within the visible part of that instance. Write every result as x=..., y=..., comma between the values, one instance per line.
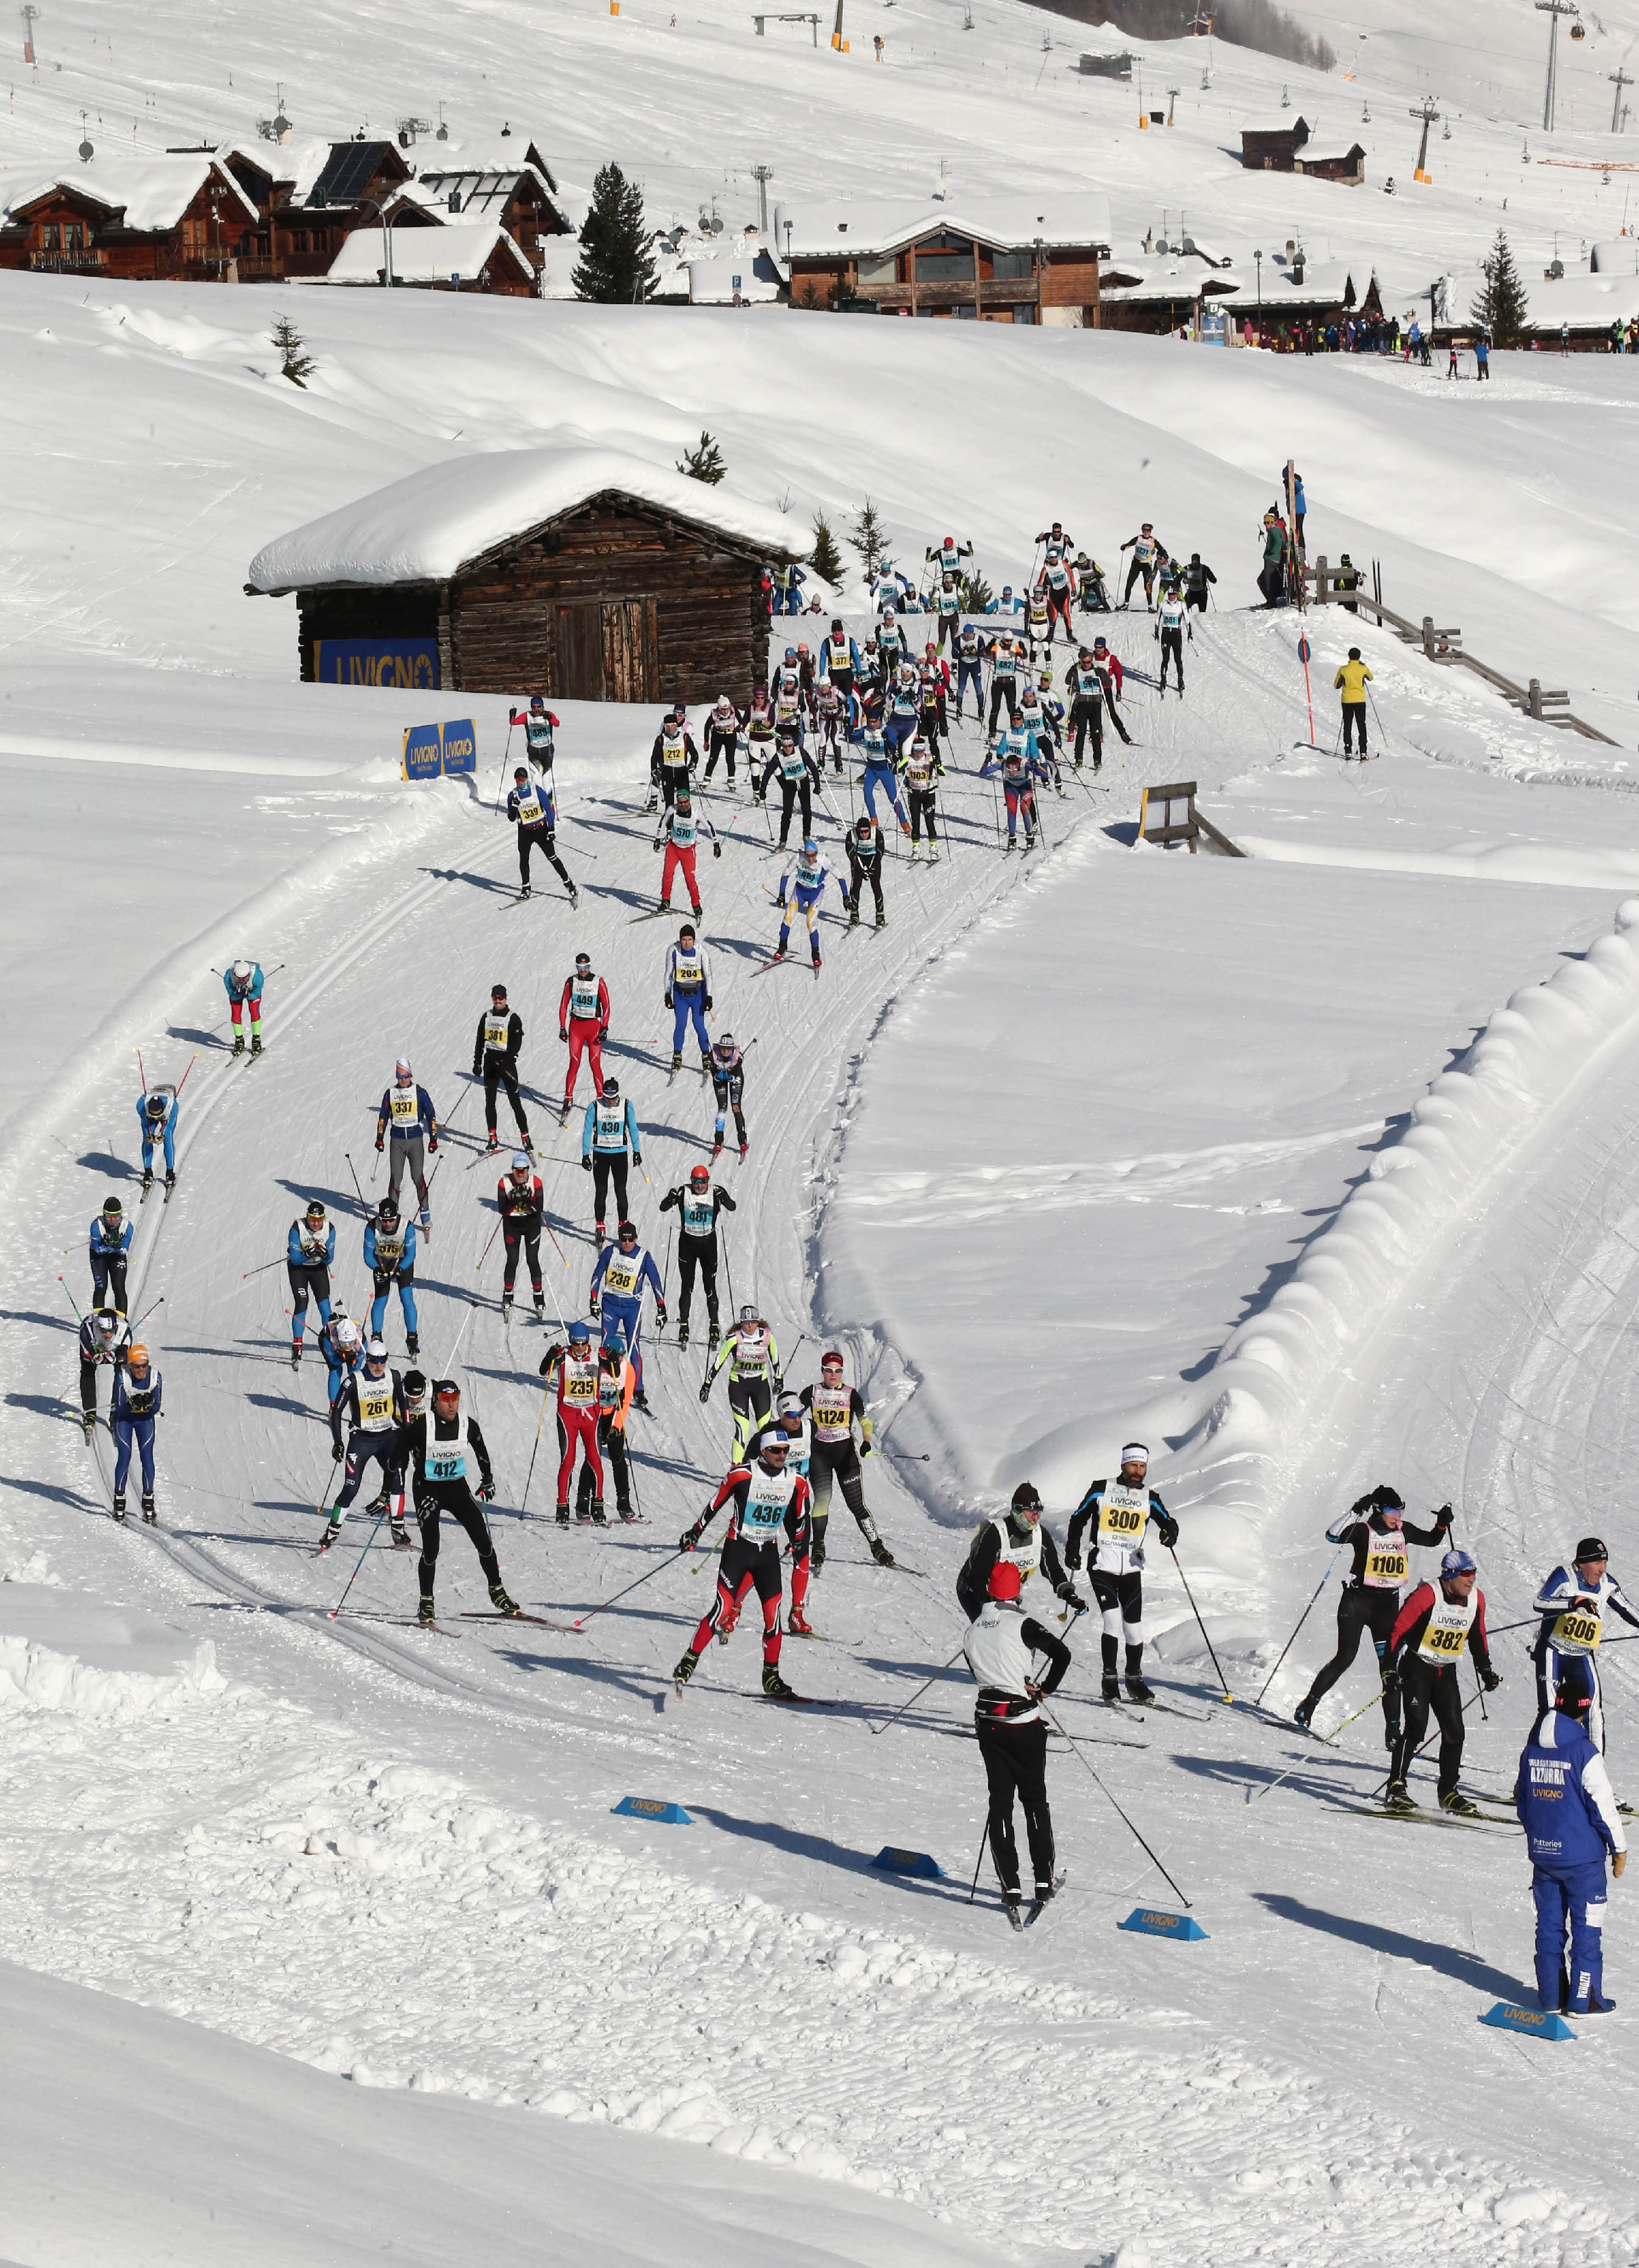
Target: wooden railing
x=1445, y=645
x=1167, y=830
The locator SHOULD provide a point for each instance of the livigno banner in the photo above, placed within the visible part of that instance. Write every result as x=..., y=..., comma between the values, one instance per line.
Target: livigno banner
x=431, y=749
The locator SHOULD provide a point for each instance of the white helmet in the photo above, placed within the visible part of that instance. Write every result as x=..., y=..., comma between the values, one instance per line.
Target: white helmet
x=749, y=1319
x=346, y=1331
x=377, y=1350
x=242, y=971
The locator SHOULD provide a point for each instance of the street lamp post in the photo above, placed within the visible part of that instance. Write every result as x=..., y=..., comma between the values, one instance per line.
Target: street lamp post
x=1258, y=257
x=378, y=208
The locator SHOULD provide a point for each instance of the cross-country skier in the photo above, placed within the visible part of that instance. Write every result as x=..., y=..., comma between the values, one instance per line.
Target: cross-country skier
x=839, y=659
x=947, y=604
x=1006, y=654
x=1147, y=555
x=110, y=1239
x=618, y=1276
x=137, y=1389
x=1172, y=627
x=934, y=689
x=833, y=715
x=156, y=1114
x=922, y=770
x=573, y=1370
x=672, y=760
x=697, y=1208
x=948, y=555
x=1001, y=1646
x=609, y=1137
x=371, y=1403
x=755, y=1374
x=1110, y=677
x=1569, y=1814
x=616, y=1380
x=436, y=1446
x=407, y=1110
x=799, y=776
x=1085, y=688
x=1351, y=682
x=680, y=831
x=1573, y=1604
x=534, y=807
x=522, y=1205
x=341, y=1344
x=242, y=980
x=309, y=1256
x=1020, y=769
x=1037, y=620
x=864, y=865
x=1018, y=1535
x=892, y=647
x=390, y=1256
x=725, y=723
x=1272, y=574
x=1375, y=1532
x=495, y=1053
x=1438, y=1624
x=584, y=1022
x=687, y=981
x=1089, y=590
x=766, y=1501
x=538, y=725
x=970, y=653
x=881, y=771
x=1119, y=1510
x=728, y=1087
x=904, y=707
x=1058, y=587
x=835, y=1409
x=1197, y=575
x=1037, y=738
x=804, y=880
x=105, y=1337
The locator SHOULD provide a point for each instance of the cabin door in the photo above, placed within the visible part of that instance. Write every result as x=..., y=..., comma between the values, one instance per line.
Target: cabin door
x=580, y=653
x=631, y=659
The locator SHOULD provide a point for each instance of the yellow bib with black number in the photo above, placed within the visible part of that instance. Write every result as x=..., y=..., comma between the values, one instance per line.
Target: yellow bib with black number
x=529, y=811
x=375, y=1405
x=498, y=1033
x=405, y=1106
x=620, y=1278
x=1387, y=1565
x=1445, y=1638
x=1578, y=1628
x=580, y=1382
x=1123, y=1512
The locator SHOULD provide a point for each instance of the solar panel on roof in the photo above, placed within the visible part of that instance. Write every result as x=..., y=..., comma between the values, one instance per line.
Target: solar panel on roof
x=347, y=173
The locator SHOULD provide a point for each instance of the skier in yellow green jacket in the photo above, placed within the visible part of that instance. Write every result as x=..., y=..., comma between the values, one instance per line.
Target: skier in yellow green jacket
x=1351, y=680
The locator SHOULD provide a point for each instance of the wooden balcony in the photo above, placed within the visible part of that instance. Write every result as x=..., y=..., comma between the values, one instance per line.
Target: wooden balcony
x=989, y=292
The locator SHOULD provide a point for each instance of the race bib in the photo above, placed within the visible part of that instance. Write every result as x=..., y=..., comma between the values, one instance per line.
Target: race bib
x=766, y=1501
x=580, y=1382
x=445, y=1460
x=1578, y=1628
x=405, y=1106
x=583, y=1000
x=1387, y=1565
x=389, y=1252
x=609, y=1126
x=375, y=1405
x=1445, y=1638
x=529, y=808
x=688, y=972
x=498, y=1032
x=699, y=1213
x=620, y=1278
x=1123, y=1513
x=833, y=1417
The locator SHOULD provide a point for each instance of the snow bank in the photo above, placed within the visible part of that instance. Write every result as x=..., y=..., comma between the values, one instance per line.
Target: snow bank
x=427, y=526
x=1275, y=1373
x=72, y=1655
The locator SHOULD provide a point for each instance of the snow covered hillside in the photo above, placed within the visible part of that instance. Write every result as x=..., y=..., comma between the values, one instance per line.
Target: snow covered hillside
x=1311, y=1166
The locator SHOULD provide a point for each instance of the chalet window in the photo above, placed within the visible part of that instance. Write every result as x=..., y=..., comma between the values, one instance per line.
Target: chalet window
x=944, y=258
x=1010, y=267
x=50, y=237
x=73, y=236
x=877, y=273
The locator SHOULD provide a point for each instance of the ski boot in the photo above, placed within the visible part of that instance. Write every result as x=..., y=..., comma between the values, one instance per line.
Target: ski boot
x=256, y=1043
x=853, y=918
x=933, y=854
x=697, y=908
x=1136, y=1689
x=400, y=1533
x=880, y=1553
x=412, y=1343
x=493, y=1143
x=563, y=1515
x=1010, y=1907
x=682, y=1334
x=148, y=1180
x=816, y=1556
x=119, y=1505
x=238, y=1043
x=1040, y=1903
x=1011, y=846
x=744, y=1152
x=332, y=1529
x=626, y=1512
x=705, y=1063
x=583, y=1511
x=779, y=953
x=525, y=891
x=501, y=1602
x=170, y=1182
x=712, y=1335
x=540, y=1307
x=1399, y=1798
x=1303, y=1712
x=426, y=1613
x=774, y=1685
x=506, y=1306
x=88, y=1420
x=574, y=897
x=716, y=1151
x=378, y=1503
x=816, y=959
x=1459, y=1805
x=1110, y=1689
x=684, y=1669
x=881, y=923
x=599, y=1518
x=296, y=1354
x=665, y=905
x=640, y=1401
x=677, y=1058
x=797, y=1624
x=424, y=1220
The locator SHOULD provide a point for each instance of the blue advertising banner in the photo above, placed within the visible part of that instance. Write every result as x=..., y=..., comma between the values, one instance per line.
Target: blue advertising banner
x=402, y=665
x=423, y=752
x=460, y=746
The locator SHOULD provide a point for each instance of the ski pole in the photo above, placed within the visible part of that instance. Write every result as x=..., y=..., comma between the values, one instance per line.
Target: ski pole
x=262, y=1270
x=523, y=1508
x=141, y=1073
x=907, y=1456
x=920, y=1689
x=147, y=1311
x=182, y=1082
x=984, y=1836
x=582, y=1621
x=501, y=791
x=1428, y=1744
x=72, y=1301
x=354, y=1171
x=1329, y=1737
x=1302, y=1619
x=1121, y=1814
x=1195, y=1610
x=353, y=1578
x=1479, y=1688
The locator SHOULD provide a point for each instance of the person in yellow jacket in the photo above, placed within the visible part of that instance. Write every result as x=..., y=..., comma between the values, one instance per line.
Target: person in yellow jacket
x=1351, y=680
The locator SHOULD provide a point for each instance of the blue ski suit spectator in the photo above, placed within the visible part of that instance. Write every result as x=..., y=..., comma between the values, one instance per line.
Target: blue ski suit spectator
x=1567, y=1809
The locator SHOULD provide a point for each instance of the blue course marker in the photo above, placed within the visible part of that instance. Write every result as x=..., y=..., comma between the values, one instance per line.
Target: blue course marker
x=1155, y=1923
x=651, y=1806
x=1542, y=2023
x=909, y=1862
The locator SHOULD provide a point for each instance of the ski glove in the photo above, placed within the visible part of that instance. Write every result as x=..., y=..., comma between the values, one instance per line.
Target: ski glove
x=485, y=1492
x=1490, y=1679
x=337, y=1452
x=705, y=1391
x=708, y=1004
x=1072, y=1597
x=1442, y=1517
x=1072, y=1560
x=1619, y=1860
x=562, y=1034
x=660, y=1312
x=378, y=1143
x=432, y=1144
x=586, y=1165
x=864, y=1449
x=668, y=1000
x=1167, y=1529
x=637, y=1157
x=591, y=1302
x=717, y=849
x=690, y=1536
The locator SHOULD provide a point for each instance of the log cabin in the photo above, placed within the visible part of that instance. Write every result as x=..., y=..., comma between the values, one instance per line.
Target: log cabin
x=172, y=218
x=1029, y=259
x=580, y=574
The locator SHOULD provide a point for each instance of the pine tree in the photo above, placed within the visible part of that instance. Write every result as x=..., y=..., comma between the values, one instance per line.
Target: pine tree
x=1501, y=307
x=826, y=559
x=616, y=266
x=976, y=593
x=289, y=343
x=869, y=539
x=704, y=463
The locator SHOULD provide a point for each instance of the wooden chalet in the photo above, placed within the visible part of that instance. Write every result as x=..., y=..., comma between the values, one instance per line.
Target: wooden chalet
x=516, y=194
x=310, y=226
x=176, y=217
x=1000, y=260
x=583, y=574
x=1270, y=146
x=1340, y=164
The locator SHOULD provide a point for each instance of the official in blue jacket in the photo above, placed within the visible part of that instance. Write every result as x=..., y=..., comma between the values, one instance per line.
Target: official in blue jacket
x=1568, y=1812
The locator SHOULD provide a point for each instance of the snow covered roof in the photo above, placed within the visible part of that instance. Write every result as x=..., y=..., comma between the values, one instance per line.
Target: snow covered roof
x=457, y=251
x=153, y=193
x=1153, y=279
x=1315, y=153
x=427, y=526
x=480, y=187
x=1584, y=302
x=1275, y=121
x=711, y=281
x=1059, y=217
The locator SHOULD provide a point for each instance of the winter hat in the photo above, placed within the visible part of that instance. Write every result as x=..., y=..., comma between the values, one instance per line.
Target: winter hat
x=1591, y=1548
x=1004, y=1581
